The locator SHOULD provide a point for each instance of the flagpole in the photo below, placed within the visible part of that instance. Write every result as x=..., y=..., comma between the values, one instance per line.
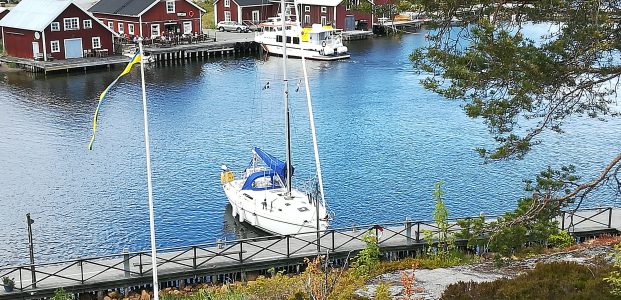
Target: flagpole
x=149, y=184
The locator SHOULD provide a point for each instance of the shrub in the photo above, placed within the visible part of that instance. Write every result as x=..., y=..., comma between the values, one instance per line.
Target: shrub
x=614, y=278
x=561, y=239
x=382, y=292
x=559, y=280
x=368, y=259
x=60, y=294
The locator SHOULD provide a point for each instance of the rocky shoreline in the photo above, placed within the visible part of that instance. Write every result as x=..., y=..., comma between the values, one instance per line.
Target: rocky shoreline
x=434, y=281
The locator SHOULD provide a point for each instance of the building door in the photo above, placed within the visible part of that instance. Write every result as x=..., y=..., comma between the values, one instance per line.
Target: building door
x=256, y=18
x=73, y=48
x=35, y=49
x=187, y=27
x=350, y=23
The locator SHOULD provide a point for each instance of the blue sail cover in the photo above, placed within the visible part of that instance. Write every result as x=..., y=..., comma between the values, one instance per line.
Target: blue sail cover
x=274, y=163
x=271, y=184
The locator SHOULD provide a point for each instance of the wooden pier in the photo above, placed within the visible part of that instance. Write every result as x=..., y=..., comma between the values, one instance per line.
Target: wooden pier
x=356, y=35
x=234, y=260
x=161, y=53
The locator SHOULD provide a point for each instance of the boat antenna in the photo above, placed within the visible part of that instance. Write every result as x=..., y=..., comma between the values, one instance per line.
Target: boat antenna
x=311, y=117
x=149, y=184
x=286, y=98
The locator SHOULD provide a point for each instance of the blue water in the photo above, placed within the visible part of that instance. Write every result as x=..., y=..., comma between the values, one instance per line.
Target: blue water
x=383, y=140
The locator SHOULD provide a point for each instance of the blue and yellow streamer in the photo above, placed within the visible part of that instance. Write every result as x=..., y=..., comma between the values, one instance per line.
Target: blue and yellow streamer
x=135, y=59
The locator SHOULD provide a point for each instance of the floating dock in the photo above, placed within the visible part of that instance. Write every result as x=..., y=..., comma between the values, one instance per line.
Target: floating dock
x=238, y=260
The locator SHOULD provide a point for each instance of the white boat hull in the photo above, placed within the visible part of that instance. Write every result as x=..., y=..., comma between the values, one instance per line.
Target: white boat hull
x=309, y=54
x=278, y=216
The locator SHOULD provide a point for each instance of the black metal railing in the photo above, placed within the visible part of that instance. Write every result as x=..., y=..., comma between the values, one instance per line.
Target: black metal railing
x=244, y=251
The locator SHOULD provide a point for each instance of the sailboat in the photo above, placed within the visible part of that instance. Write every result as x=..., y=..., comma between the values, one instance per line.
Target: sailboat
x=263, y=195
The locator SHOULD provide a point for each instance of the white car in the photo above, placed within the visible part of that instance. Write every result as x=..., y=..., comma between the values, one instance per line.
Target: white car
x=232, y=26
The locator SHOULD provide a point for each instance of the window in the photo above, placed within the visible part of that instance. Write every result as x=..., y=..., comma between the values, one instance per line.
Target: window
x=296, y=40
x=227, y=16
x=347, y=4
x=324, y=21
x=170, y=7
x=88, y=24
x=307, y=19
x=155, y=30
x=130, y=28
x=55, y=26
x=324, y=9
x=55, y=45
x=307, y=8
x=72, y=23
x=279, y=38
x=111, y=25
x=96, y=42
x=227, y=3
x=256, y=16
x=121, y=28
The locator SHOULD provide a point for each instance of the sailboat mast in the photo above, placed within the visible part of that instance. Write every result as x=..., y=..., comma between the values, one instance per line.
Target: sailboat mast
x=286, y=96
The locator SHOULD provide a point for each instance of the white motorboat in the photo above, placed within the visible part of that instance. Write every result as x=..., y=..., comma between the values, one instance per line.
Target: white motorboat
x=263, y=195
x=318, y=42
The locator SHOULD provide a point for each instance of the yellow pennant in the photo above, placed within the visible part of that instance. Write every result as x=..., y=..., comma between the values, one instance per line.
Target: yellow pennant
x=135, y=59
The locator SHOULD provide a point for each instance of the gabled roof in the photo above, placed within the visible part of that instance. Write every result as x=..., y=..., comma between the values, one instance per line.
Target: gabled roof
x=320, y=2
x=122, y=7
x=252, y=2
x=36, y=15
x=132, y=8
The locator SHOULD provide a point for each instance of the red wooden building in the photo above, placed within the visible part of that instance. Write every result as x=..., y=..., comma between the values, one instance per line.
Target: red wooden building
x=58, y=29
x=338, y=13
x=254, y=11
x=149, y=18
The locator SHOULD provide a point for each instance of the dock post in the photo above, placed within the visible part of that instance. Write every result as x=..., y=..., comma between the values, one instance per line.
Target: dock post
x=31, y=248
x=563, y=221
x=610, y=217
x=418, y=231
x=126, y=262
x=408, y=232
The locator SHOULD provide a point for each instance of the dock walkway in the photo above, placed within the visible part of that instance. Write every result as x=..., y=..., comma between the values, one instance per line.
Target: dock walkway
x=206, y=262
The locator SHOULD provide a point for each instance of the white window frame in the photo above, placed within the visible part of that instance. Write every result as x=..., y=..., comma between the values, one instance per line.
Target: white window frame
x=348, y=4
x=55, y=49
x=227, y=16
x=324, y=20
x=256, y=13
x=87, y=24
x=121, y=28
x=111, y=25
x=98, y=39
x=170, y=9
x=307, y=19
x=157, y=31
x=72, y=21
x=55, y=26
x=324, y=9
x=227, y=3
x=130, y=28
x=306, y=8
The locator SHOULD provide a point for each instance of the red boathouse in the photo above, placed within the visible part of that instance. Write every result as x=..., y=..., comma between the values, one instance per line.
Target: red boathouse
x=57, y=29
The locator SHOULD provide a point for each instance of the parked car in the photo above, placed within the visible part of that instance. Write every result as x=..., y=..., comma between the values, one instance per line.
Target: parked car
x=232, y=26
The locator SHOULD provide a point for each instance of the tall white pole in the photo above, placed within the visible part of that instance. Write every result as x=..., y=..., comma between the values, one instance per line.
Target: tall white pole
x=149, y=184
x=311, y=117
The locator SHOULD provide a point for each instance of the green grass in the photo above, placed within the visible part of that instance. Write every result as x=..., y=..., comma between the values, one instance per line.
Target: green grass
x=207, y=19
